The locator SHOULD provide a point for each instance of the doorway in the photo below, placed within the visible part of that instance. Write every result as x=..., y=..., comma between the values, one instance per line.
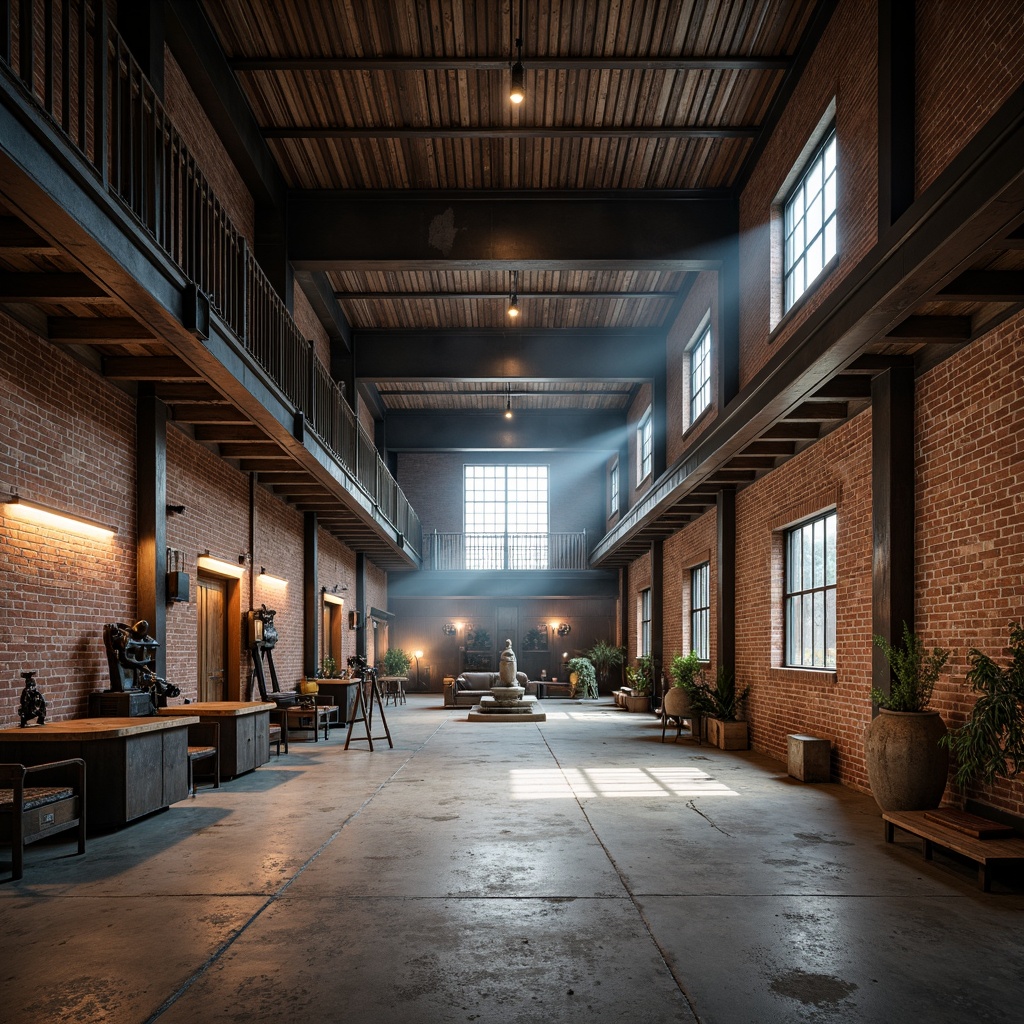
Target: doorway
x=211, y=602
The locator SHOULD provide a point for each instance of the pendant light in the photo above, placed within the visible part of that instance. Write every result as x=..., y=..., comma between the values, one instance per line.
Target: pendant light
x=508, y=401
x=513, y=296
x=517, y=92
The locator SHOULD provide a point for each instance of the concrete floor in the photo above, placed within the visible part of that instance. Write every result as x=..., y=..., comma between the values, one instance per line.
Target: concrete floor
x=577, y=870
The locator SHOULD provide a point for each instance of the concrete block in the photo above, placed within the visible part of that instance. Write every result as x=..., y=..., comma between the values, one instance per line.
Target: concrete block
x=809, y=758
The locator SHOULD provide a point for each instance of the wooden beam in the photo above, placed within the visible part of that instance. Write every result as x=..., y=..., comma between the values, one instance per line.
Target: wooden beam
x=453, y=64
x=288, y=477
x=817, y=412
x=843, y=386
x=347, y=134
x=72, y=287
x=155, y=368
x=210, y=414
x=252, y=452
x=953, y=329
x=775, y=448
x=190, y=392
x=503, y=296
x=792, y=431
x=986, y=286
x=262, y=465
x=226, y=432
x=17, y=238
x=98, y=330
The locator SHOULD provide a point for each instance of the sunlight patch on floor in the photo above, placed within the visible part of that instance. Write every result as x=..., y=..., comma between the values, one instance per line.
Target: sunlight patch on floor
x=583, y=783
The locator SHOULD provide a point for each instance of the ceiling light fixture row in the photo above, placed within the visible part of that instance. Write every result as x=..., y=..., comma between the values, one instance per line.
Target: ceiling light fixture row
x=517, y=92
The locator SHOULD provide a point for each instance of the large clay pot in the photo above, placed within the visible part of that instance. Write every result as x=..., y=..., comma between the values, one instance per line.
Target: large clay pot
x=676, y=703
x=907, y=768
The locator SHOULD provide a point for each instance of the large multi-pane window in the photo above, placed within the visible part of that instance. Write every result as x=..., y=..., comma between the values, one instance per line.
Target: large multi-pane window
x=644, y=634
x=613, y=488
x=810, y=593
x=700, y=610
x=700, y=373
x=810, y=222
x=506, y=517
x=645, y=445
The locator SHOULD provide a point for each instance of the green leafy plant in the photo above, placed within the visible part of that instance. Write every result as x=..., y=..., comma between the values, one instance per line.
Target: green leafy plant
x=915, y=672
x=396, y=662
x=586, y=677
x=477, y=639
x=641, y=678
x=722, y=700
x=686, y=671
x=605, y=656
x=535, y=640
x=991, y=741
x=329, y=668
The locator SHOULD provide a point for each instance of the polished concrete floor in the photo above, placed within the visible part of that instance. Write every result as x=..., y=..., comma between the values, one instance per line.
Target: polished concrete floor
x=577, y=870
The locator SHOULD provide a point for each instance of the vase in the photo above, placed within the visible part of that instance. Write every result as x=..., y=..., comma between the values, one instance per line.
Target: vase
x=907, y=768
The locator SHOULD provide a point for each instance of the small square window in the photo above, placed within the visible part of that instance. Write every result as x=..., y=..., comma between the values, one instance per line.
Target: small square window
x=810, y=223
x=645, y=446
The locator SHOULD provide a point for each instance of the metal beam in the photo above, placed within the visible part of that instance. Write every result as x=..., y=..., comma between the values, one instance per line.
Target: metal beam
x=533, y=431
x=896, y=110
x=383, y=131
x=725, y=62
x=986, y=286
x=390, y=296
x=508, y=355
x=380, y=231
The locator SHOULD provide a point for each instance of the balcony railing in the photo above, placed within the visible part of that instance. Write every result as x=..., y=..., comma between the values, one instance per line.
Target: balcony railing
x=79, y=72
x=505, y=551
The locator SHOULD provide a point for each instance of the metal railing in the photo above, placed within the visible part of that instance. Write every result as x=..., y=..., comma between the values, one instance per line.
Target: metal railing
x=505, y=551
x=79, y=72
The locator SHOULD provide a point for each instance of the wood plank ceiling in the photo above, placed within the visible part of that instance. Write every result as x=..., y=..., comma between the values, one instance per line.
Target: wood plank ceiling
x=404, y=96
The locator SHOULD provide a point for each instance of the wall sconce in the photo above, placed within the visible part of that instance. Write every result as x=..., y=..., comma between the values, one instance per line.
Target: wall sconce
x=416, y=655
x=563, y=629
x=42, y=515
x=269, y=577
x=448, y=629
x=236, y=570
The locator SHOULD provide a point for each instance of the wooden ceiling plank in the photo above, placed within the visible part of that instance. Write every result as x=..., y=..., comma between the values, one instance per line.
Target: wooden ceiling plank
x=986, y=286
x=53, y=287
x=209, y=414
x=457, y=64
x=226, y=432
x=817, y=412
x=98, y=330
x=16, y=237
x=149, y=368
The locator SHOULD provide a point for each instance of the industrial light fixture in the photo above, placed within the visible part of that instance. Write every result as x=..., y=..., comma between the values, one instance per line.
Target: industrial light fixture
x=269, y=577
x=508, y=401
x=220, y=566
x=517, y=92
x=513, y=296
x=43, y=515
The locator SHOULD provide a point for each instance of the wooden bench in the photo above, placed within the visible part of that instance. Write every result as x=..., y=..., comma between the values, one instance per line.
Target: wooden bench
x=962, y=833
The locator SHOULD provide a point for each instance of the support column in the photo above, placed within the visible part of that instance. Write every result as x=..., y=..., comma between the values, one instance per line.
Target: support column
x=151, y=512
x=892, y=511
x=311, y=604
x=624, y=609
x=725, y=591
x=727, y=344
x=896, y=102
x=361, y=603
x=657, y=613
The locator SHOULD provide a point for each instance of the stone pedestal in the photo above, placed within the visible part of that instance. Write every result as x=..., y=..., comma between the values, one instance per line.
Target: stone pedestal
x=809, y=758
x=525, y=709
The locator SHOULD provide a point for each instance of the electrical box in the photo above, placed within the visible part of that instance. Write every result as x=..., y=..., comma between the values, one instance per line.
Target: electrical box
x=177, y=587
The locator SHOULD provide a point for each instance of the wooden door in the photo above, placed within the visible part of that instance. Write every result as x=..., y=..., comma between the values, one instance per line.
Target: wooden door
x=211, y=599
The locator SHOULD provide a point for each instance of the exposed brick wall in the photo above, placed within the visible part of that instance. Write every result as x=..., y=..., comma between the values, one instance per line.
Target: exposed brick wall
x=336, y=567
x=67, y=440
x=683, y=551
x=970, y=58
x=639, y=579
x=970, y=516
x=835, y=471
x=703, y=297
x=190, y=119
x=376, y=597
x=844, y=67
x=640, y=405
x=307, y=321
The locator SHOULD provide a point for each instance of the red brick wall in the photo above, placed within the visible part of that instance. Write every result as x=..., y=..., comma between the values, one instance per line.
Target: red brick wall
x=683, y=551
x=203, y=143
x=67, y=441
x=844, y=67
x=970, y=516
x=835, y=472
x=970, y=58
x=639, y=579
x=640, y=405
x=702, y=298
x=308, y=322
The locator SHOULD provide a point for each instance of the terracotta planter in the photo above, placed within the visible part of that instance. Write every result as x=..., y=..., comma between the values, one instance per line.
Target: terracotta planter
x=727, y=735
x=635, y=702
x=907, y=768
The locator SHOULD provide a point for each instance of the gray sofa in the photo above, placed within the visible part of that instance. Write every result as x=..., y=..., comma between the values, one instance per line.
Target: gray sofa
x=469, y=687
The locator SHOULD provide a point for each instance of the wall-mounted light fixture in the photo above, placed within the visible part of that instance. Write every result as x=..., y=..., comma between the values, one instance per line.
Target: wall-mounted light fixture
x=448, y=629
x=221, y=567
x=269, y=577
x=43, y=515
x=563, y=629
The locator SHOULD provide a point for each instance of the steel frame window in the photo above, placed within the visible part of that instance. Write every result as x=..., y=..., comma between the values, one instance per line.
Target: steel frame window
x=645, y=623
x=613, y=488
x=810, y=593
x=810, y=223
x=700, y=610
x=645, y=445
x=700, y=374
x=502, y=504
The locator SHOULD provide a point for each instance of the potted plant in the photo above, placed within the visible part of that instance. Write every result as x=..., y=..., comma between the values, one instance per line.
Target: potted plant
x=605, y=657
x=638, y=685
x=991, y=742
x=396, y=662
x=906, y=761
x=723, y=708
x=329, y=668
x=684, y=699
x=582, y=678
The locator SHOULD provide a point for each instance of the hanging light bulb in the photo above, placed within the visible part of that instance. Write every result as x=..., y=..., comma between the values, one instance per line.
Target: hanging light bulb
x=508, y=401
x=517, y=92
x=513, y=299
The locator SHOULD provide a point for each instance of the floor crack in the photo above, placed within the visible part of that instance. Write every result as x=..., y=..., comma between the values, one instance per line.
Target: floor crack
x=694, y=807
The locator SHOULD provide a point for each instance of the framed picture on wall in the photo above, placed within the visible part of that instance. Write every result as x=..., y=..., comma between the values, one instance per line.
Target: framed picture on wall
x=536, y=639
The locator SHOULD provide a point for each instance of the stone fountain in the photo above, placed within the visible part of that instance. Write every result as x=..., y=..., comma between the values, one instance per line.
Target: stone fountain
x=507, y=702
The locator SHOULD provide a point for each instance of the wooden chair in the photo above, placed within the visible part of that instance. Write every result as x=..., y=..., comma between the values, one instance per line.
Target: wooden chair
x=322, y=714
x=203, y=745
x=277, y=737
x=31, y=812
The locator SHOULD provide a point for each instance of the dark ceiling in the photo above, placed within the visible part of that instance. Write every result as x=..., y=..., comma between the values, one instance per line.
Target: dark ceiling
x=400, y=99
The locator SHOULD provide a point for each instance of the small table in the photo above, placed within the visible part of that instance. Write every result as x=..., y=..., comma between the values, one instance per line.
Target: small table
x=133, y=766
x=244, y=731
x=393, y=688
